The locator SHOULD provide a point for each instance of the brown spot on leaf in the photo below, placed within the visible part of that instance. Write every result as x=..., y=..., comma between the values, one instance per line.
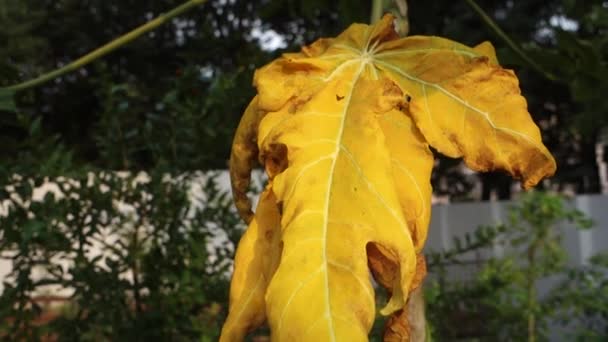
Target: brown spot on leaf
x=275, y=159
x=481, y=59
x=297, y=102
x=389, y=88
x=339, y=98
x=269, y=234
x=280, y=207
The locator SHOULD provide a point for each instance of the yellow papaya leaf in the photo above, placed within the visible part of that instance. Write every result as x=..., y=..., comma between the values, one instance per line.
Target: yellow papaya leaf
x=338, y=195
x=467, y=106
x=343, y=134
x=256, y=260
x=414, y=190
x=403, y=140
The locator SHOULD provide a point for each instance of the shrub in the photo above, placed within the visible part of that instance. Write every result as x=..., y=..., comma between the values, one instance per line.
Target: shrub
x=138, y=257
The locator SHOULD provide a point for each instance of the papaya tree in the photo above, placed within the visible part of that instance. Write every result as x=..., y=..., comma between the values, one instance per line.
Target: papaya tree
x=343, y=129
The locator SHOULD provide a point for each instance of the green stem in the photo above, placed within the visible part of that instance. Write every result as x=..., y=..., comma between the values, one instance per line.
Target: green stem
x=486, y=18
x=107, y=48
x=377, y=7
x=531, y=290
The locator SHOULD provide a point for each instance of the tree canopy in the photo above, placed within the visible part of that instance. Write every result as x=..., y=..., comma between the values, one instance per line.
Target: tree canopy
x=174, y=96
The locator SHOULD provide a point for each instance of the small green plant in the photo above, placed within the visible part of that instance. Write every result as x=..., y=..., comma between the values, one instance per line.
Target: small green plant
x=500, y=302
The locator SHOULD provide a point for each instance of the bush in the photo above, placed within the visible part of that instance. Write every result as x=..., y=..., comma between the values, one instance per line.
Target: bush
x=500, y=302
x=136, y=256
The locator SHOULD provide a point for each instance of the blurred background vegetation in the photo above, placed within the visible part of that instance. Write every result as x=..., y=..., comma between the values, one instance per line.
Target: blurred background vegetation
x=127, y=137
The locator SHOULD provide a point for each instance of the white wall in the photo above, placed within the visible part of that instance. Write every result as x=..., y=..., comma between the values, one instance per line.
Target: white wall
x=456, y=219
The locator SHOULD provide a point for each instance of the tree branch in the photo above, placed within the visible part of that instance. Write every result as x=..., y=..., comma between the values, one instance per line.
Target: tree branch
x=107, y=48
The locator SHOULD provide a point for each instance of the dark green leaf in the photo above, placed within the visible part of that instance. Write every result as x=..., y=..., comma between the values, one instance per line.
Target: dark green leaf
x=7, y=100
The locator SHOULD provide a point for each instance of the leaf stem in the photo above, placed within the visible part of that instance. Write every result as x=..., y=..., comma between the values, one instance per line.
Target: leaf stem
x=377, y=7
x=521, y=53
x=107, y=48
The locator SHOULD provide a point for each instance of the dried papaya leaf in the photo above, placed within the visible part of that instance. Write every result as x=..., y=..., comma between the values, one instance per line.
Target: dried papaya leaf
x=410, y=320
x=397, y=327
x=409, y=324
x=350, y=168
x=243, y=156
x=256, y=260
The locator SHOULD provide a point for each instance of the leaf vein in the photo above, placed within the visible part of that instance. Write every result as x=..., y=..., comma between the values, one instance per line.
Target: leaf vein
x=461, y=101
x=372, y=188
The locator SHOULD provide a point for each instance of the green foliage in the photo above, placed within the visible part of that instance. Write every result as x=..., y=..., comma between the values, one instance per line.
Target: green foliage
x=140, y=259
x=19, y=39
x=500, y=302
x=579, y=59
x=200, y=56
x=7, y=102
x=182, y=128
x=581, y=301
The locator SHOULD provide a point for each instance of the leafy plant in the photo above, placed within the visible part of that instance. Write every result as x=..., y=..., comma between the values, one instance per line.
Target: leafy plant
x=581, y=301
x=500, y=302
x=342, y=129
x=135, y=256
